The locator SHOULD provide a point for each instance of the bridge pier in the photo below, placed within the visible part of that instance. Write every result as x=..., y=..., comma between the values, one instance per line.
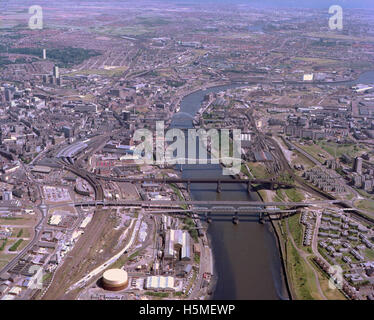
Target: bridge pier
x=188, y=186
x=208, y=217
x=235, y=218
x=249, y=187
x=219, y=187
x=261, y=217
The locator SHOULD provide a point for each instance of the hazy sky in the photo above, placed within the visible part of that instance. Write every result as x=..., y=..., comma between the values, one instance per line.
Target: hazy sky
x=256, y=3
x=295, y=3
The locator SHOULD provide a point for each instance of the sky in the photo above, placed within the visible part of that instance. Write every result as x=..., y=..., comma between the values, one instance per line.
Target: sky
x=294, y=3
x=322, y=4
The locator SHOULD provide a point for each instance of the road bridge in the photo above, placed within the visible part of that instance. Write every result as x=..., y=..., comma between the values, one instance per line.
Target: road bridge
x=207, y=214
x=89, y=177
x=169, y=203
x=239, y=210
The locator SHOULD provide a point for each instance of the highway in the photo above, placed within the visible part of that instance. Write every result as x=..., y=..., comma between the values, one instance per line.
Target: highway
x=202, y=210
x=43, y=208
x=90, y=178
x=14, y=261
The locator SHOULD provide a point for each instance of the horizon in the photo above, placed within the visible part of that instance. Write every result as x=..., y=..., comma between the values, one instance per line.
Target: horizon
x=315, y=4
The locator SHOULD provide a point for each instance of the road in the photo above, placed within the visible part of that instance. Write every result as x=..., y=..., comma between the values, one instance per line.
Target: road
x=43, y=208
x=168, y=203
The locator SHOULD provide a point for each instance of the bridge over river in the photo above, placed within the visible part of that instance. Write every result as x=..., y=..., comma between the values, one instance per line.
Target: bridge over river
x=169, y=203
x=272, y=184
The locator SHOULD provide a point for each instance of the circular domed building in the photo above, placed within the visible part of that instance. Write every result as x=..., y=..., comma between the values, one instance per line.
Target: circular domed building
x=115, y=279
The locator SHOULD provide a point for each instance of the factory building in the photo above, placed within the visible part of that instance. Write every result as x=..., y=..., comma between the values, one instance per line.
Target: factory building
x=186, y=247
x=159, y=283
x=177, y=245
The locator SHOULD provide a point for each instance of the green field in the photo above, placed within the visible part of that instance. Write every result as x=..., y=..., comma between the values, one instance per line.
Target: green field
x=157, y=294
x=318, y=61
x=117, y=71
x=245, y=171
x=331, y=35
x=337, y=150
x=367, y=205
x=137, y=30
x=365, y=194
x=258, y=170
x=152, y=21
x=296, y=229
x=64, y=57
x=15, y=246
x=301, y=276
x=323, y=278
x=294, y=195
x=314, y=150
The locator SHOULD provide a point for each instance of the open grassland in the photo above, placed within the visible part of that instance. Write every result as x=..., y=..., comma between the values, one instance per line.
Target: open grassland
x=151, y=21
x=5, y=259
x=369, y=254
x=301, y=159
x=337, y=149
x=365, y=194
x=258, y=170
x=367, y=205
x=336, y=36
x=110, y=72
x=28, y=221
x=296, y=229
x=330, y=294
x=318, y=61
x=301, y=276
x=314, y=150
x=134, y=31
x=294, y=195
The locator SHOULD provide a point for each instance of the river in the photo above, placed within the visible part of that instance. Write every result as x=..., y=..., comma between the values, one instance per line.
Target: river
x=365, y=78
x=246, y=257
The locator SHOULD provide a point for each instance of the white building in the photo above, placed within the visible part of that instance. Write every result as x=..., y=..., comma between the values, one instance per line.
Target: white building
x=160, y=283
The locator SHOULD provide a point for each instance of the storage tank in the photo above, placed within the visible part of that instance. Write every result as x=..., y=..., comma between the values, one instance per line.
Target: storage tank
x=115, y=279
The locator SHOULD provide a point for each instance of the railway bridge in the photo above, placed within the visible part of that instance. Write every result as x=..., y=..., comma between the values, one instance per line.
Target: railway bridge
x=272, y=184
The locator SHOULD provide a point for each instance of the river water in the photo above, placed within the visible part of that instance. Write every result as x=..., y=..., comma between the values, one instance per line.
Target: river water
x=246, y=257
x=365, y=78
